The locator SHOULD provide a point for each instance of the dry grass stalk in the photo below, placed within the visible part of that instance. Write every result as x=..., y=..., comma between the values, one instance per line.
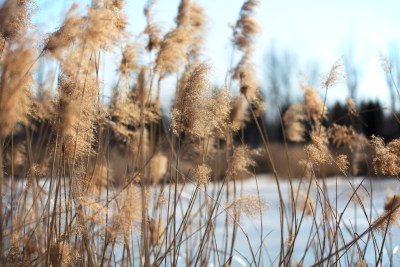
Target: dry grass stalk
x=359, y=198
x=128, y=214
x=77, y=217
x=156, y=229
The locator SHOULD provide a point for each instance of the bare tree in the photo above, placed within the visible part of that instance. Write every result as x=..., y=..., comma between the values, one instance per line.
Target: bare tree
x=312, y=73
x=279, y=73
x=351, y=71
x=392, y=74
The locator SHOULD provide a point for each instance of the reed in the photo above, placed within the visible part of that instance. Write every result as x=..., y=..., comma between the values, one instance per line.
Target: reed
x=91, y=182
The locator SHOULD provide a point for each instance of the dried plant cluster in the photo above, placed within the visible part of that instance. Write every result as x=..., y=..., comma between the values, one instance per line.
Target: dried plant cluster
x=91, y=182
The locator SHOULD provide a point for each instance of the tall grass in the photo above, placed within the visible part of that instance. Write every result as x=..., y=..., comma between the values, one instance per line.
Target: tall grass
x=89, y=182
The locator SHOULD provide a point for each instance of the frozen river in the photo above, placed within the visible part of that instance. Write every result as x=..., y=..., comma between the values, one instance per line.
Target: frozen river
x=353, y=222
x=338, y=192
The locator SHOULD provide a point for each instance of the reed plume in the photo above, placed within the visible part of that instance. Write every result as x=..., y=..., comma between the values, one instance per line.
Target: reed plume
x=15, y=85
x=343, y=135
x=66, y=34
x=202, y=173
x=342, y=162
x=249, y=205
x=351, y=106
x=294, y=122
x=246, y=27
x=240, y=163
x=305, y=202
x=187, y=115
x=244, y=73
x=171, y=54
x=314, y=105
x=73, y=161
x=129, y=59
x=334, y=75
x=244, y=32
x=104, y=24
x=152, y=29
x=15, y=18
x=386, y=160
x=318, y=151
x=182, y=44
x=158, y=167
x=391, y=214
x=238, y=113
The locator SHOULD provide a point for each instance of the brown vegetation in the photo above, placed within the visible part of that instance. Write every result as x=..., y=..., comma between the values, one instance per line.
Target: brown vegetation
x=89, y=183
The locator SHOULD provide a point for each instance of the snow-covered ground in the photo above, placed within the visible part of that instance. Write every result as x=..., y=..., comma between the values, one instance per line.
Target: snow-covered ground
x=353, y=217
x=339, y=192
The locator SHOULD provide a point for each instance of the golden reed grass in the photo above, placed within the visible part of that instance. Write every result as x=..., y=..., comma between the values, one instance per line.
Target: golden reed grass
x=91, y=182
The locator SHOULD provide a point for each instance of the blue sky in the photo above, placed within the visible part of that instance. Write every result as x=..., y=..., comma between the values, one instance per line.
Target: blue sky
x=316, y=31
